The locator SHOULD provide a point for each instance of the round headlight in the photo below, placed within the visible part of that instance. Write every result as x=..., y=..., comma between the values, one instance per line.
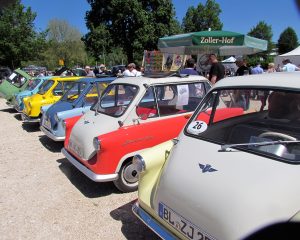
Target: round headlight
x=139, y=163
x=96, y=143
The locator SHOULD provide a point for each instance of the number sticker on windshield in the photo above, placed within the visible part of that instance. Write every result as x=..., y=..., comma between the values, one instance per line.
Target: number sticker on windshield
x=197, y=127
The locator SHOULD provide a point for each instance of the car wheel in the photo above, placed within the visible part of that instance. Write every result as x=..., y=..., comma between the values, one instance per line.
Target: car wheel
x=128, y=178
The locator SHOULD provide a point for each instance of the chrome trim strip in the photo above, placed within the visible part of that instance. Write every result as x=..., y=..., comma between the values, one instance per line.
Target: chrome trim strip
x=28, y=119
x=151, y=222
x=51, y=135
x=87, y=172
x=17, y=108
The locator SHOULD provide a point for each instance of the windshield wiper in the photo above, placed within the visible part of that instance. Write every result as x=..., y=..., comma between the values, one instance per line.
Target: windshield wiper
x=225, y=147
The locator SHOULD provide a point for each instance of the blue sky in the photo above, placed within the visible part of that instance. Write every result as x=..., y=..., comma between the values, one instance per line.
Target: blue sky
x=237, y=15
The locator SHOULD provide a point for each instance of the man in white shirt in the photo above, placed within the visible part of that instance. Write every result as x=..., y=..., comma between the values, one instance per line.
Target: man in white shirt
x=288, y=66
x=131, y=71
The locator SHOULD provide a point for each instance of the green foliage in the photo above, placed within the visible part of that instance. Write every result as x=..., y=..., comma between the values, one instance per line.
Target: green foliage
x=203, y=17
x=287, y=41
x=64, y=42
x=132, y=25
x=19, y=42
x=263, y=31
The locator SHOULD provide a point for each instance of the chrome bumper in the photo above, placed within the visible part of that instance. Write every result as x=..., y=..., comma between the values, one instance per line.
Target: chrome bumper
x=28, y=119
x=17, y=108
x=87, y=172
x=151, y=222
x=51, y=135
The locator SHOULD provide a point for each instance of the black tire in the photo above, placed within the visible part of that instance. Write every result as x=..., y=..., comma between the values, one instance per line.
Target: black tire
x=128, y=178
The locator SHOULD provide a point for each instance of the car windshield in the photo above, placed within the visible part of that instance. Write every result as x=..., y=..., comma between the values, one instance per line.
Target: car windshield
x=16, y=79
x=45, y=86
x=74, y=91
x=32, y=84
x=261, y=121
x=116, y=99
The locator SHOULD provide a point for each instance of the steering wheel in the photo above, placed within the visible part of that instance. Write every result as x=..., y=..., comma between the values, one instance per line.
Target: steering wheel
x=278, y=135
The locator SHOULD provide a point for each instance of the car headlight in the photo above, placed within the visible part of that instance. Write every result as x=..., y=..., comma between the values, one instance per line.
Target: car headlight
x=97, y=144
x=56, y=117
x=139, y=163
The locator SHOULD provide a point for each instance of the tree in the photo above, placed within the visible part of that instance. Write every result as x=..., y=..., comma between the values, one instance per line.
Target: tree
x=19, y=42
x=128, y=24
x=263, y=31
x=64, y=42
x=203, y=17
x=287, y=41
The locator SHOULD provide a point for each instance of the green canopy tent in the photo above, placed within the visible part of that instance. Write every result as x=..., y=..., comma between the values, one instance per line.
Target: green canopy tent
x=223, y=43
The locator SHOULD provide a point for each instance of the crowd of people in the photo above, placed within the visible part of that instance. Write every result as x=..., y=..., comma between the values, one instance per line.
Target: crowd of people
x=218, y=71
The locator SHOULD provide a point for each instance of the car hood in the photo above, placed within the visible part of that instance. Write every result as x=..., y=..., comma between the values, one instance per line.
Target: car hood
x=218, y=191
x=91, y=125
x=35, y=102
x=57, y=107
x=25, y=93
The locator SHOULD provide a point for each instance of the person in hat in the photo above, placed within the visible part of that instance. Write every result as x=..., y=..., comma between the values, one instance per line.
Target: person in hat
x=89, y=72
x=102, y=69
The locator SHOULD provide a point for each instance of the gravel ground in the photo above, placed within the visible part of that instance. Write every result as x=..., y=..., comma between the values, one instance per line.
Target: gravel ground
x=44, y=197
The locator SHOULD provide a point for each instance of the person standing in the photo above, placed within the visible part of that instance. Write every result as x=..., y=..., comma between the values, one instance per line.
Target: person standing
x=271, y=68
x=190, y=68
x=89, y=72
x=217, y=70
x=242, y=67
x=288, y=66
x=131, y=71
x=257, y=70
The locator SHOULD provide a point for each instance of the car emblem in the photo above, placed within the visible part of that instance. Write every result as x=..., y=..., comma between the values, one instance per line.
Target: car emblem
x=207, y=168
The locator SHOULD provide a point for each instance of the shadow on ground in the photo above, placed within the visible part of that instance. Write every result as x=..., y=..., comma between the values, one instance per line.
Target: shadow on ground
x=8, y=110
x=31, y=127
x=132, y=227
x=50, y=144
x=86, y=186
x=18, y=116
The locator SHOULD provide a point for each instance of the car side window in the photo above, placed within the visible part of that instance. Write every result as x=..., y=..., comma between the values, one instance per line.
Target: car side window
x=179, y=98
x=92, y=96
x=147, y=105
x=57, y=91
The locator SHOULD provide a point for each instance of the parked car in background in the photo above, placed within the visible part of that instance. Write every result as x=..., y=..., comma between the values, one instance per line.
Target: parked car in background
x=15, y=83
x=132, y=114
x=227, y=175
x=50, y=92
x=117, y=69
x=75, y=102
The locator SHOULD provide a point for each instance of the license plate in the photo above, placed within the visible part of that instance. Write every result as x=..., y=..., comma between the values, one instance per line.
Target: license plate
x=181, y=224
x=47, y=123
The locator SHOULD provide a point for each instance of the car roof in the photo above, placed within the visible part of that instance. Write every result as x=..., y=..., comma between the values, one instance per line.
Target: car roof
x=67, y=78
x=158, y=80
x=92, y=79
x=284, y=80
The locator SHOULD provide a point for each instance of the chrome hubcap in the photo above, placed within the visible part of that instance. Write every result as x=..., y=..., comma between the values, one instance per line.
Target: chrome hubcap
x=130, y=174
